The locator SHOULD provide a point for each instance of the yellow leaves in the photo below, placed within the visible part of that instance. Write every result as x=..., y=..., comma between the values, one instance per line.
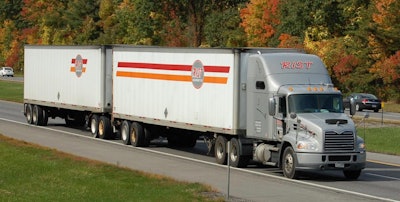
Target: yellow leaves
x=259, y=19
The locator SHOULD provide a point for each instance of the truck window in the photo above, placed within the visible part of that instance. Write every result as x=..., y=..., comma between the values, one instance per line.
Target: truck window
x=315, y=103
x=260, y=85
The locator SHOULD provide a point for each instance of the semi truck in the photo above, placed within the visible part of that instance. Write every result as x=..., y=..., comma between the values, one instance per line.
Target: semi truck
x=276, y=107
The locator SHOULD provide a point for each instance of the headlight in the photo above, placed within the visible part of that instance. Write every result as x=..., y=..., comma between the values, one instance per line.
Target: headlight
x=361, y=146
x=360, y=143
x=307, y=145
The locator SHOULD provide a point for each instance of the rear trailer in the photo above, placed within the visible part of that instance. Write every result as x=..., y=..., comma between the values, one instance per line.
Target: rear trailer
x=70, y=82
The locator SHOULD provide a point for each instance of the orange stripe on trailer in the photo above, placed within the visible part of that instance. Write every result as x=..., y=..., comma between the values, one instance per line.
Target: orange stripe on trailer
x=171, y=77
x=212, y=79
x=155, y=76
x=73, y=69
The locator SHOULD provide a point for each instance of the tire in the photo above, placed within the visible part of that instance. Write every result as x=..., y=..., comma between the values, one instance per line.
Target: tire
x=28, y=113
x=105, y=130
x=45, y=118
x=220, y=150
x=94, y=125
x=137, y=135
x=125, y=132
x=37, y=115
x=358, y=108
x=376, y=110
x=235, y=157
x=289, y=163
x=352, y=174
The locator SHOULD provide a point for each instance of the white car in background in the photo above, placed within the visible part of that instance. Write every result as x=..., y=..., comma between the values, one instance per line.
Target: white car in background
x=7, y=71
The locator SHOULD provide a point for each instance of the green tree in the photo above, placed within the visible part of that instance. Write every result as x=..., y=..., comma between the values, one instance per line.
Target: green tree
x=222, y=28
x=81, y=19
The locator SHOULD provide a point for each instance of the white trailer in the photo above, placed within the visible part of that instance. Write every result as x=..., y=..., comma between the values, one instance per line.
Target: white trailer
x=275, y=106
x=70, y=82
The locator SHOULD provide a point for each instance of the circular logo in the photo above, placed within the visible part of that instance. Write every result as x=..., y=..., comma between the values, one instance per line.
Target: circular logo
x=197, y=74
x=78, y=65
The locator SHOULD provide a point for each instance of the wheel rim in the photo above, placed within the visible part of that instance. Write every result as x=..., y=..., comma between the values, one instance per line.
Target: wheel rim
x=234, y=154
x=133, y=136
x=34, y=115
x=93, y=124
x=101, y=128
x=124, y=133
x=220, y=151
x=289, y=163
x=28, y=114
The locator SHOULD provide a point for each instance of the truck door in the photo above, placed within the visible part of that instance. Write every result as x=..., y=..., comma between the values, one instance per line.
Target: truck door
x=259, y=122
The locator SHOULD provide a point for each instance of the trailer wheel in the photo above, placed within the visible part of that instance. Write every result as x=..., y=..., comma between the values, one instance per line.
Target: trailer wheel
x=236, y=159
x=125, y=132
x=137, y=135
x=105, y=130
x=352, y=174
x=220, y=150
x=45, y=119
x=28, y=111
x=94, y=125
x=37, y=115
x=289, y=163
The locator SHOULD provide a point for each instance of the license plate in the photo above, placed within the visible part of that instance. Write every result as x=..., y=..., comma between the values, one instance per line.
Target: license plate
x=339, y=165
x=374, y=106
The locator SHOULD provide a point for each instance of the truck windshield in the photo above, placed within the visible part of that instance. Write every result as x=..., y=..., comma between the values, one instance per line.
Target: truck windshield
x=312, y=103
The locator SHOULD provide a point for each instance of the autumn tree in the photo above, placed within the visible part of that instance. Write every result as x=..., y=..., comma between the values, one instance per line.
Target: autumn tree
x=384, y=42
x=260, y=19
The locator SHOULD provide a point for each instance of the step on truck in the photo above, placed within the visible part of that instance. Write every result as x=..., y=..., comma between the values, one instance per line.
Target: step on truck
x=276, y=107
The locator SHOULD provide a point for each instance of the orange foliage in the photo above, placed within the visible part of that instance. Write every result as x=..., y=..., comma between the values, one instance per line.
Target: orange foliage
x=288, y=41
x=388, y=68
x=345, y=66
x=259, y=21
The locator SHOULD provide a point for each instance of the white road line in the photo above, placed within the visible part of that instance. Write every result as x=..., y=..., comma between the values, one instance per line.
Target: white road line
x=218, y=165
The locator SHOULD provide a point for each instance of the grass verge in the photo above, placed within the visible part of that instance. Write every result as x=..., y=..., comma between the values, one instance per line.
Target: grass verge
x=12, y=91
x=33, y=173
x=381, y=139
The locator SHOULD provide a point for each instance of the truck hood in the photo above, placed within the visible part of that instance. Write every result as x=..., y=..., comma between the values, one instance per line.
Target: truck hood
x=337, y=122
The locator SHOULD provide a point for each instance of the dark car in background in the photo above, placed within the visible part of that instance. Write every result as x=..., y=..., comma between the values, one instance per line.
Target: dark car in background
x=363, y=101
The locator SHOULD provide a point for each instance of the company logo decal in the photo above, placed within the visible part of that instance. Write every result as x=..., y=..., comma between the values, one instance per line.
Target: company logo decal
x=196, y=73
x=78, y=65
x=296, y=64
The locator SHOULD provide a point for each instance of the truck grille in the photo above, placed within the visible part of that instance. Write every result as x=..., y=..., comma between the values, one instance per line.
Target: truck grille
x=339, y=142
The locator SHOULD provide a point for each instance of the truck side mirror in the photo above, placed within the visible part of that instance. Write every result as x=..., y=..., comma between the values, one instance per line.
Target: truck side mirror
x=271, y=106
x=352, y=106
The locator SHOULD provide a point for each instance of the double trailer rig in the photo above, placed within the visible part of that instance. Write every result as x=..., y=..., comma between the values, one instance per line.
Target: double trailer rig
x=275, y=106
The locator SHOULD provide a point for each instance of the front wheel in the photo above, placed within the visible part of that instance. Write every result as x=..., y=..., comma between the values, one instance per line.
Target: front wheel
x=352, y=174
x=289, y=163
